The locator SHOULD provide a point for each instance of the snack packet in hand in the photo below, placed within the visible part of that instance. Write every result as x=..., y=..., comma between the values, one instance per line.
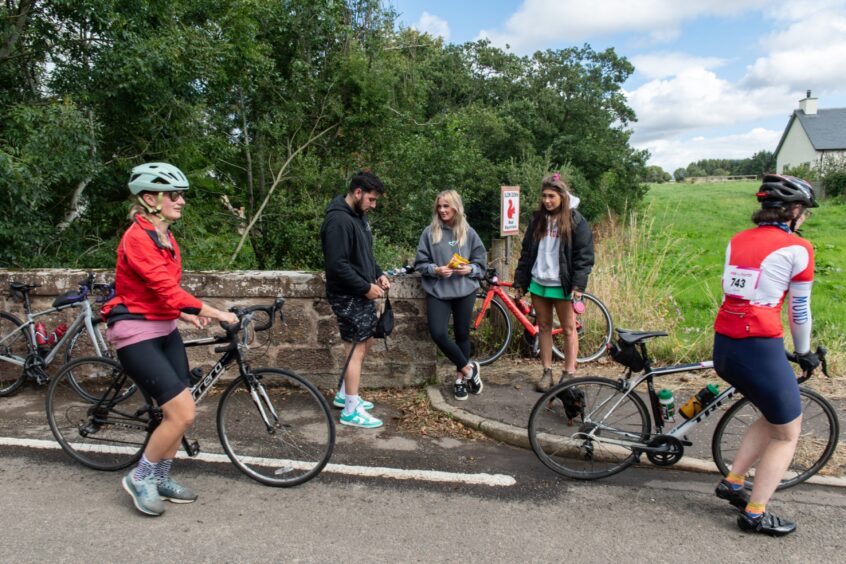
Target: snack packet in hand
x=457, y=261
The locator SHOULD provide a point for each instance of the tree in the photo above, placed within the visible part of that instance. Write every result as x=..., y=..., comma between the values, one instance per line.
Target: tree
x=269, y=107
x=656, y=174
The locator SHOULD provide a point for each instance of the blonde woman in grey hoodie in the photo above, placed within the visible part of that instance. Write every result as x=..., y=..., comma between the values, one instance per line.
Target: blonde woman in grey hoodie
x=451, y=283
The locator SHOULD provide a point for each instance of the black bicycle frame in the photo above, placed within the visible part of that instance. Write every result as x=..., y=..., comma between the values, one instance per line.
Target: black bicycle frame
x=681, y=429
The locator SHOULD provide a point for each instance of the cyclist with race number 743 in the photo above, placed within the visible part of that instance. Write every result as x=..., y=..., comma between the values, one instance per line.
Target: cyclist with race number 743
x=762, y=266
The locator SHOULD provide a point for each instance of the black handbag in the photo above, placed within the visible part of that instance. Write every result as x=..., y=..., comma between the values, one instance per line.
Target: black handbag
x=385, y=323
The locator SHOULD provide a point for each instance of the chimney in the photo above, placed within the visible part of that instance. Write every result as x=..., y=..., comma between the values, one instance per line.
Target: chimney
x=808, y=104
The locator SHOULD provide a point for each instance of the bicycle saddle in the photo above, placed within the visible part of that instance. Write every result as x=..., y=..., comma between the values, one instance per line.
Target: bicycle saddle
x=68, y=298
x=20, y=286
x=633, y=337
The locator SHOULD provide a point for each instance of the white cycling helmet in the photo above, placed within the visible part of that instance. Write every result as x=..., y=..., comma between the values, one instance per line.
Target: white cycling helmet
x=157, y=177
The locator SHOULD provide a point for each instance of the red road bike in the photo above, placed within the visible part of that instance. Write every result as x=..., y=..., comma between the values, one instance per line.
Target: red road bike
x=492, y=330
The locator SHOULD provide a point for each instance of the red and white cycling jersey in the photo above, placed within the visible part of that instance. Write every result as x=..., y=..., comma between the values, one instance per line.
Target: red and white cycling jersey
x=762, y=265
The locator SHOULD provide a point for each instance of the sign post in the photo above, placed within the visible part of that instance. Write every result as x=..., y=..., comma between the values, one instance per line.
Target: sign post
x=510, y=216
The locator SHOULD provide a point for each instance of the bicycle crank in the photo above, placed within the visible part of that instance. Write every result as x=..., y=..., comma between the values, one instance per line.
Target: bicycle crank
x=664, y=450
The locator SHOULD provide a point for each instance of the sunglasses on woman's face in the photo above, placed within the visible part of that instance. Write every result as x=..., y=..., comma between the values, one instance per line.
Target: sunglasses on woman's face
x=175, y=195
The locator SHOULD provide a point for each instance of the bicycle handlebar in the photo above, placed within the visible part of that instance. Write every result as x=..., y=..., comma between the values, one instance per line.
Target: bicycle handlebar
x=245, y=317
x=821, y=352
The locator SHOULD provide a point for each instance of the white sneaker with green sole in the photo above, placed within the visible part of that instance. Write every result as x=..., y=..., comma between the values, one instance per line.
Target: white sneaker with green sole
x=360, y=418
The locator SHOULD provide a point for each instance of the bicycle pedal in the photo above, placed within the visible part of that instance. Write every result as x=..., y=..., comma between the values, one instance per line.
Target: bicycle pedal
x=193, y=448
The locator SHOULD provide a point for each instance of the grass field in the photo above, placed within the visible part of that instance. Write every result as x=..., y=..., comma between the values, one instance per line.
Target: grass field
x=662, y=270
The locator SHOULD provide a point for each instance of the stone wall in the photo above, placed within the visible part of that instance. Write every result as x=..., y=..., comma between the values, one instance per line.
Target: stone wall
x=307, y=343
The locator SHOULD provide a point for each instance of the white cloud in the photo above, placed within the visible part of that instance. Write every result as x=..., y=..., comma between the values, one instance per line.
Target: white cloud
x=696, y=98
x=671, y=154
x=664, y=64
x=433, y=25
x=540, y=22
x=810, y=52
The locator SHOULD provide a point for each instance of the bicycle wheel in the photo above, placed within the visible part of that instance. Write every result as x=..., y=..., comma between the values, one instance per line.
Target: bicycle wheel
x=817, y=440
x=277, y=428
x=79, y=346
x=586, y=428
x=14, y=345
x=594, y=327
x=108, y=433
x=490, y=335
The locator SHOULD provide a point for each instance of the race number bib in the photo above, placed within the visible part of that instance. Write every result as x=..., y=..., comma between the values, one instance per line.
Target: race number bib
x=740, y=282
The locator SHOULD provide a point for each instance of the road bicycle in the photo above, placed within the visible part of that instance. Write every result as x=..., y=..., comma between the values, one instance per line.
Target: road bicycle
x=591, y=427
x=22, y=358
x=491, y=330
x=273, y=424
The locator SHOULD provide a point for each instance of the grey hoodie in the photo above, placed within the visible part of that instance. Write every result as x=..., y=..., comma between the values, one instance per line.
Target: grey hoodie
x=430, y=256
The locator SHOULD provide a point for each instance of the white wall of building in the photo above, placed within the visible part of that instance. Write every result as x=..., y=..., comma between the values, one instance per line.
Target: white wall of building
x=796, y=149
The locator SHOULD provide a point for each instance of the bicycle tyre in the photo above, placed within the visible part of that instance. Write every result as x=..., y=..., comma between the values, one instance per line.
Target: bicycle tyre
x=576, y=457
x=596, y=327
x=298, y=446
x=817, y=440
x=19, y=345
x=490, y=340
x=107, y=433
x=79, y=349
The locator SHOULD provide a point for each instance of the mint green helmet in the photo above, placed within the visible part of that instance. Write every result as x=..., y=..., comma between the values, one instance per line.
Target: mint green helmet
x=157, y=177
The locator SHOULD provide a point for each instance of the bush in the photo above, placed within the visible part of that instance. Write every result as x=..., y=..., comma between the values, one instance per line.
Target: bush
x=835, y=184
x=803, y=171
x=832, y=172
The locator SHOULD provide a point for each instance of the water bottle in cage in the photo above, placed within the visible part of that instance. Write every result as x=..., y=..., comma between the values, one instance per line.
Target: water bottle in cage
x=525, y=307
x=45, y=340
x=58, y=333
x=42, y=339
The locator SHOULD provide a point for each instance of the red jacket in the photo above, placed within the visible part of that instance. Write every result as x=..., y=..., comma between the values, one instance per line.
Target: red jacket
x=147, y=278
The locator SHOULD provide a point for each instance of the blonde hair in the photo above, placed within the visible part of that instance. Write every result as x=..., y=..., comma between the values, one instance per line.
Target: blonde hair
x=137, y=208
x=459, y=222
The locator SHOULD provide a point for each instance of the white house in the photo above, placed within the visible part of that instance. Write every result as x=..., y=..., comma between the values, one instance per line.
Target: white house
x=812, y=135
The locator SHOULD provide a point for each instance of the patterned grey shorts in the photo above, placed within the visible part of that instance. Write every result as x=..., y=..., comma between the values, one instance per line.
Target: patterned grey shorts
x=356, y=316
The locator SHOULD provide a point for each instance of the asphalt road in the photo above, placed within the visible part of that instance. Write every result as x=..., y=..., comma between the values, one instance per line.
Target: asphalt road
x=52, y=509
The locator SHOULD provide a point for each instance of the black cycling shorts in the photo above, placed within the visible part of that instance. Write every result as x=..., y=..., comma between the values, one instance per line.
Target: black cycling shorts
x=159, y=366
x=759, y=369
x=356, y=316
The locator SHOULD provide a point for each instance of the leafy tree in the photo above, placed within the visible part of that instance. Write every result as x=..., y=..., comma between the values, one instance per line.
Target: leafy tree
x=656, y=174
x=269, y=107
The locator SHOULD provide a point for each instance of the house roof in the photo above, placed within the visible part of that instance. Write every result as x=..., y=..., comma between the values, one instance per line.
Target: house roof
x=826, y=130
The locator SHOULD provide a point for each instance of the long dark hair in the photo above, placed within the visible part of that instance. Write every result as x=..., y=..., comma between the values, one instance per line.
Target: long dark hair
x=562, y=216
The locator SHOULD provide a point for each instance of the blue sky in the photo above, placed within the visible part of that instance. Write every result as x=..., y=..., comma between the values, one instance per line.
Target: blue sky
x=713, y=79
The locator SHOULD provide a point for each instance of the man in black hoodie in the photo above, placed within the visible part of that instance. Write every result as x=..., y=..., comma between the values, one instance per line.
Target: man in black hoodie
x=353, y=282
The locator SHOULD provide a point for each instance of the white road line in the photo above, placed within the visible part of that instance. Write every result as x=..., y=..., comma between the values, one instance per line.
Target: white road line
x=481, y=479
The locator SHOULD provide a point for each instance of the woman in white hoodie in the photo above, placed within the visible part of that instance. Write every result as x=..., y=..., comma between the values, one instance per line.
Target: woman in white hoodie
x=555, y=261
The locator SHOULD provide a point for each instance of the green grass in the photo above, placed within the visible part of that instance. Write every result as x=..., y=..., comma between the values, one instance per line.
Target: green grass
x=699, y=219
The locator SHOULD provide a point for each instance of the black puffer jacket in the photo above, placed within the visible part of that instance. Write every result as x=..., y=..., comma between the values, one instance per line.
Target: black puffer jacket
x=348, y=250
x=575, y=259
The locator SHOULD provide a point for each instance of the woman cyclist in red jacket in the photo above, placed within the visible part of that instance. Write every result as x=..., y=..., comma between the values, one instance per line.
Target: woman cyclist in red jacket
x=141, y=321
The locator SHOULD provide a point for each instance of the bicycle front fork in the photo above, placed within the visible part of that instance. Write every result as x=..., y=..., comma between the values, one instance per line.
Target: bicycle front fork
x=258, y=393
